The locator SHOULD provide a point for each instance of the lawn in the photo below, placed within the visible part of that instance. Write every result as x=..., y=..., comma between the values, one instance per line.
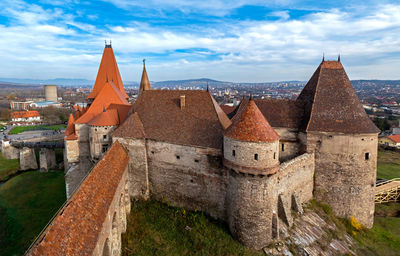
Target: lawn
x=27, y=203
x=155, y=228
x=8, y=167
x=388, y=164
x=20, y=129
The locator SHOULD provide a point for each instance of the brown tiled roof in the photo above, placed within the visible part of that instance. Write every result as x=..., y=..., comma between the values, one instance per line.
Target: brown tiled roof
x=77, y=226
x=131, y=128
x=331, y=104
x=279, y=112
x=144, y=83
x=108, y=72
x=199, y=123
x=115, y=114
x=250, y=125
x=227, y=109
x=109, y=94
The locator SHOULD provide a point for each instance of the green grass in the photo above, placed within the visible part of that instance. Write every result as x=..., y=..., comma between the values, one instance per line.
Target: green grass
x=155, y=228
x=27, y=203
x=20, y=129
x=388, y=164
x=8, y=167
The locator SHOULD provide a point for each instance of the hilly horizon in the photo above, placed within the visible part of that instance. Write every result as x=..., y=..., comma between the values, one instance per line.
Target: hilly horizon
x=199, y=82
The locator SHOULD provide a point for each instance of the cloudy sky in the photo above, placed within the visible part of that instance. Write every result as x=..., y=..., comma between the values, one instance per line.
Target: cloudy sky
x=241, y=40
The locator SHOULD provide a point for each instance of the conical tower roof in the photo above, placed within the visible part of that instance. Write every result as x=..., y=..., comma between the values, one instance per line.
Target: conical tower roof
x=108, y=71
x=144, y=83
x=71, y=126
x=251, y=125
x=331, y=104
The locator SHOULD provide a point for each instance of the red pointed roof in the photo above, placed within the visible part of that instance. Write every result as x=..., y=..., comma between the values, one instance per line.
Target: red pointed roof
x=109, y=94
x=251, y=125
x=331, y=103
x=108, y=71
x=71, y=125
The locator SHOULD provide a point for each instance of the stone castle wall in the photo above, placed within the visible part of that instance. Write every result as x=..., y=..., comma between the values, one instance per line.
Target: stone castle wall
x=345, y=173
x=251, y=154
x=291, y=145
x=137, y=166
x=251, y=204
x=187, y=176
x=100, y=140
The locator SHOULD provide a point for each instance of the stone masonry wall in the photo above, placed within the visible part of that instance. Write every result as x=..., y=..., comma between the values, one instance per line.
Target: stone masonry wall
x=8, y=151
x=137, y=166
x=267, y=153
x=345, y=173
x=296, y=177
x=97, y=140
x=251, y=205
x=187, y=177
x=47, y=159
x=291, y=144
x=27, y=159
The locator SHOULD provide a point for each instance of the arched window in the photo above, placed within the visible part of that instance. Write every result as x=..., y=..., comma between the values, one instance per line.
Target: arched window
x=256, y=157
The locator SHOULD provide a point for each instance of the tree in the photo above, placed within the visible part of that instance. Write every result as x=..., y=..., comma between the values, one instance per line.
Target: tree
x=11, y=96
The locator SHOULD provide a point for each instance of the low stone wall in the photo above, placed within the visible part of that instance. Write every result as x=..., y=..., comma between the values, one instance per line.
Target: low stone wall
x=27, y=159
x=91, y=222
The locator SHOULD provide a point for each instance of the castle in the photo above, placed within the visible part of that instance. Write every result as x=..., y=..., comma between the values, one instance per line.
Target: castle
x=251, y=170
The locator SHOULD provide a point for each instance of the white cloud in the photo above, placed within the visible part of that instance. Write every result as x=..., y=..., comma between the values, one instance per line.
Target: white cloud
x=42, y=43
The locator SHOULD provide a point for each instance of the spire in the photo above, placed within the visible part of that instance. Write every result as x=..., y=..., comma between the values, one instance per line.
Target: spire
x=331, y=103
x=251, y=96
x=108, y=71
x=207, y=88
x=144, y=83
x=323, y=57
x=338, y=59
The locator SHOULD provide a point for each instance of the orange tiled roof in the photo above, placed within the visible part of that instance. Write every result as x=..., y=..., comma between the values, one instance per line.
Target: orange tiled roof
x=250, y=125
x=76, y=228
x=108, y=71
x=24, y=114
x=108, y=95
x=395, y=138
x=71, y=125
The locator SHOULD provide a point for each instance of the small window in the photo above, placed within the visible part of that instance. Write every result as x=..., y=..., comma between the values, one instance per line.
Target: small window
x=95, y=129
x=178, y=157
x=256, y=157
x=196, y=160
x=283, y=147
x=105, y=137
x=274, y=155
x=152, y=152
x=233, y=153
x=104, y=148
x=366, y=156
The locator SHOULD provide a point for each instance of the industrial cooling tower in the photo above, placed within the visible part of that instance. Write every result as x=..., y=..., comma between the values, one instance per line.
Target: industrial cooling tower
x=50, y=92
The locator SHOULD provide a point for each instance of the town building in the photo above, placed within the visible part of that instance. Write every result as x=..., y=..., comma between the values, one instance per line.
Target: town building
x=390, y=141
x=179, y=146
x=25, y=117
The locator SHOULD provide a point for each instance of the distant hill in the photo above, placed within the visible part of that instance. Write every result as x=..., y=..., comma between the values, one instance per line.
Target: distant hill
x=195, y=83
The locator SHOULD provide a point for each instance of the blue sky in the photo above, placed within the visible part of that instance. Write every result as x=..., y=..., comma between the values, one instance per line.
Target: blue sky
x=243, y=40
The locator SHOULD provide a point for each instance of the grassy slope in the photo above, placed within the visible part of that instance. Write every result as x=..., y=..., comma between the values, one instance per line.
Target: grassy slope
x=27, y=202
x=388, y=164
x=20, y=129
x=157, y=229
x=7, y=167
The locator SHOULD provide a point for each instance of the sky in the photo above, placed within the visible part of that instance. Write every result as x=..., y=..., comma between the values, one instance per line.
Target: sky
x=238, y=41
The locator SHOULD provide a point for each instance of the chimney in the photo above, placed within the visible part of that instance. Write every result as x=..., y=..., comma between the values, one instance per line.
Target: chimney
x=182, y=101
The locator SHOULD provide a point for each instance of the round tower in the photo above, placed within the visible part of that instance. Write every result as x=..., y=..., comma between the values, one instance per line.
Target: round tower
x=251, y=154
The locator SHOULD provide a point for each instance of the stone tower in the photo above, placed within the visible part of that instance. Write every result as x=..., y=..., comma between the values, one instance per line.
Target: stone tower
x=251, y=148
x=344, y=140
